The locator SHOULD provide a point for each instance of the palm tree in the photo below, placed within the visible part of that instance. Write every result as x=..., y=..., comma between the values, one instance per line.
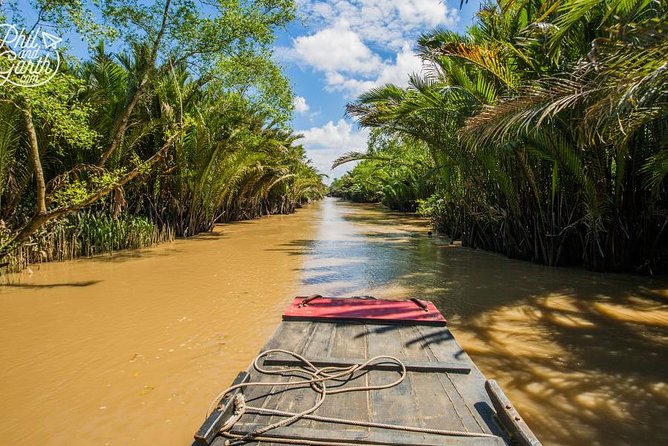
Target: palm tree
x=547, y=124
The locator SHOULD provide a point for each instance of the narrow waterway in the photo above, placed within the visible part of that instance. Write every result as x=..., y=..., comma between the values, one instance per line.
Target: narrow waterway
x=128, y=349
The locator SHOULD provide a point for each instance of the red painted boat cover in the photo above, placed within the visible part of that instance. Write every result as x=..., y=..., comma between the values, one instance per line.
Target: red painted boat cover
x=411, y=312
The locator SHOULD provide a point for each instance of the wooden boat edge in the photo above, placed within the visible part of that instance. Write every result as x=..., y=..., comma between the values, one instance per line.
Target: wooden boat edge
x=505, y=413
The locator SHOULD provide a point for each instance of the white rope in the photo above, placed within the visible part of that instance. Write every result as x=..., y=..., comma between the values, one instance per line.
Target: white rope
x=319, y=377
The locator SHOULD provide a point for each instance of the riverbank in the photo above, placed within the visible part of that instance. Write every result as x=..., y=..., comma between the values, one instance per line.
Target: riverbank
x=87, y=234
x=129, y=349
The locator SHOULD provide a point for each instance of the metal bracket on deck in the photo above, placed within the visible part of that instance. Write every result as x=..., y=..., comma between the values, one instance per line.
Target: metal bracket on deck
x=308, y=299
x=420, y=304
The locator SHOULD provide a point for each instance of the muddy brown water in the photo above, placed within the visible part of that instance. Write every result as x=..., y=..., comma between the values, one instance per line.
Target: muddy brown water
x=129, y=349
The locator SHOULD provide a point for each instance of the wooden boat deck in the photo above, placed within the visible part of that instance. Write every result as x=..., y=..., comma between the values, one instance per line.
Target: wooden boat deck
x=443, y=388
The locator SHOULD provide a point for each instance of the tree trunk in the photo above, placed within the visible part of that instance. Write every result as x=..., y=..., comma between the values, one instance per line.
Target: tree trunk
x=37, y=163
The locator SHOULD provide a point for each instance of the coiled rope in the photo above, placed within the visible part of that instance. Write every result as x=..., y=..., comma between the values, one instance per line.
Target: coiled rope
x=317, y=381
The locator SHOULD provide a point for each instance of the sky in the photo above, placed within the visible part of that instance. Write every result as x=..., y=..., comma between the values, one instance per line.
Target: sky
x=338, y=49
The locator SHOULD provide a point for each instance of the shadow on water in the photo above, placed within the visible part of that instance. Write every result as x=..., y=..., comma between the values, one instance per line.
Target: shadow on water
x=50, y=285
x=206, y=236
x=130, y=255
x=583, y=355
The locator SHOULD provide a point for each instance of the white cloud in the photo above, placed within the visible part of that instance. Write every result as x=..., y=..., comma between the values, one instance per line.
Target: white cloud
x=387, y=23
x=300, y=105
x=325, y=144
x=336, y=49
x=395, y=72
x=342, y=134
x=421, y=12
x=406, y=62
x=348, y=65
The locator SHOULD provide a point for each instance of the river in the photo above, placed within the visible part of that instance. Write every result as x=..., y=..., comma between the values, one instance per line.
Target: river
x=128, y=349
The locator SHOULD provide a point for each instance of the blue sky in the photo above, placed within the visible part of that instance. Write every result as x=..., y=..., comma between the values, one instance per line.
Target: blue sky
x=340, y=48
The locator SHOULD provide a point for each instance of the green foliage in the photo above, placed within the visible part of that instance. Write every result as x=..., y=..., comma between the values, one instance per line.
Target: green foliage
x=184, y=126
x=56, y=111
x=395, y=171
x=75, y=192
x=435, y=208
x=88, y=233
x=260, y=80
x=547, y=125
x=64, y=15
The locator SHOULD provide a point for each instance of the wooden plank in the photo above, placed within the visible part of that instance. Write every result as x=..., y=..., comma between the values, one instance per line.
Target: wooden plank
x=466, y=391
x=218, y=441
x=433, y=401
x=438, y=343
x=321, y=341
x=375, y=437
x=297, y=400
x=215, y=421
x=292, y=336
x=395, y=405
x=511, y=420
x=413, y=366
x=349, y=341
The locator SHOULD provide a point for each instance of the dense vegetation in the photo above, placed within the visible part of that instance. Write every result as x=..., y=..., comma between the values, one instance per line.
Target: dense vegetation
x=547, y=132
x=183, y=125
x=396, y=172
